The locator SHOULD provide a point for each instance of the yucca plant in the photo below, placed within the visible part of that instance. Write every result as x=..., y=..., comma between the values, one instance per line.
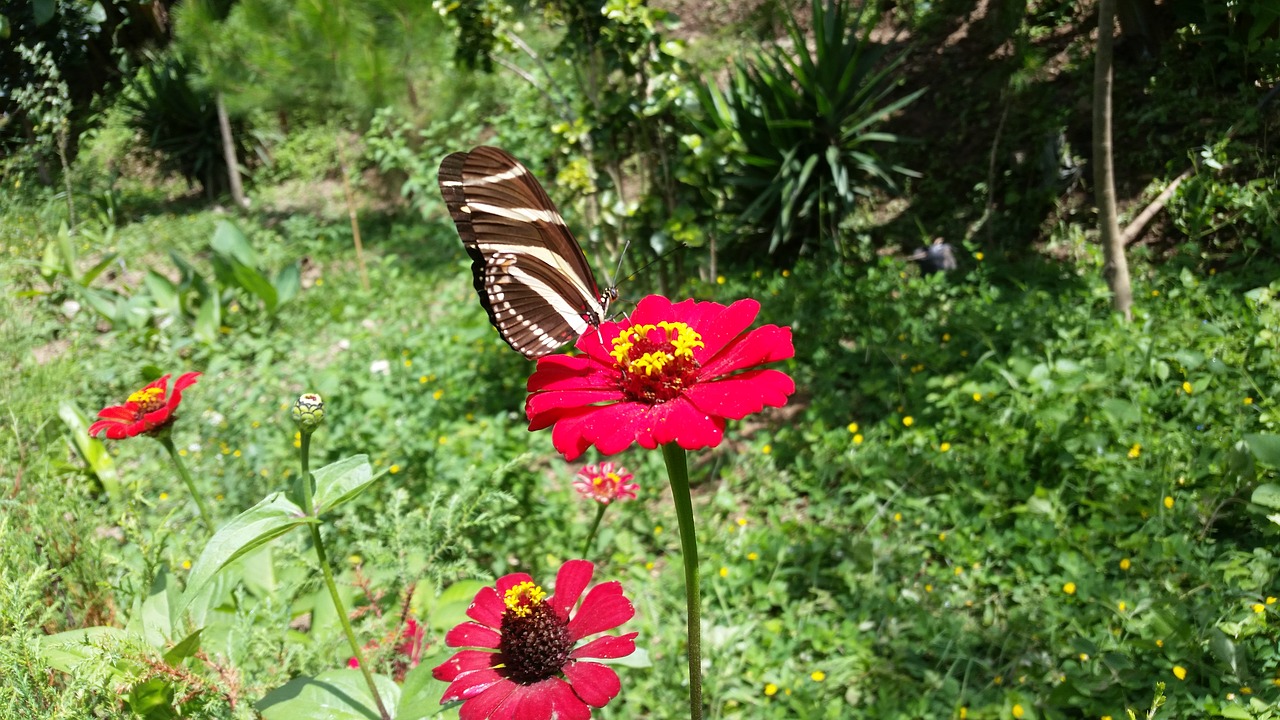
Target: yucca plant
x=179, y=119
x=798, y=126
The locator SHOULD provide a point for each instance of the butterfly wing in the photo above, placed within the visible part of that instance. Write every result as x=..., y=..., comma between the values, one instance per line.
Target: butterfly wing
x=530, y=273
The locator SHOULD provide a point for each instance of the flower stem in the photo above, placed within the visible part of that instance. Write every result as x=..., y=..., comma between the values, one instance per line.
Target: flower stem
x=323, y=559
x=167, y=442
x=678, y=473
x=586, y=547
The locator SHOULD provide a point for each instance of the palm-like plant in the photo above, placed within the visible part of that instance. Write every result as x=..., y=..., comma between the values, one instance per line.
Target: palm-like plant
x=798, y=126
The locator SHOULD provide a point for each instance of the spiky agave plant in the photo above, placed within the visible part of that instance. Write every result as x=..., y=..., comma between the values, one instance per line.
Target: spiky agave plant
x=799, y=126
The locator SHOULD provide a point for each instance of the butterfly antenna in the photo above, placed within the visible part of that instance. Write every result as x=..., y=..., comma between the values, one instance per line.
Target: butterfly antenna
x=621, y=256
x=660, y=258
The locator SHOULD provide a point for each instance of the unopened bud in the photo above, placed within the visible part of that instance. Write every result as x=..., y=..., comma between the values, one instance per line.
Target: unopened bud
x=308, y=411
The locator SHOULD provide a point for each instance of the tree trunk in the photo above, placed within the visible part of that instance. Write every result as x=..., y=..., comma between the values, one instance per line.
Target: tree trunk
x=229, y=151
x=1116, y=268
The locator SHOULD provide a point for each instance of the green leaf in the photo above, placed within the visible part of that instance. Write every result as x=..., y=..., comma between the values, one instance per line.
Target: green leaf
x=1267, y=495
x=288, y=283
x=208, y=320
x=4, y=28
x=1265, y=447
x=65, y=651
x=42, y=10
x=450, y=608
x=157, y=610
x=185, y=649
x=231, y=243
x=251, y=529
x=164, y=293
x=331, y=695
x=420, y=694
x=342, y=481
x=91, y=449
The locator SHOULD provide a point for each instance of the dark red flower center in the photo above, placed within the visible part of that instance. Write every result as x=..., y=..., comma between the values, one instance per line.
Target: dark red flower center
x=656, y=361
x=535, y=641
x=148, y=400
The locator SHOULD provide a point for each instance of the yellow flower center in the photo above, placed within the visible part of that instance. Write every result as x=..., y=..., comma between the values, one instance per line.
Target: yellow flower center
x=657, y=361
x=522, y=598
x=148, y=399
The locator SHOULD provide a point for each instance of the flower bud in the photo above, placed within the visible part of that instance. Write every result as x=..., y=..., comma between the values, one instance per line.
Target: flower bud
x=308, y=411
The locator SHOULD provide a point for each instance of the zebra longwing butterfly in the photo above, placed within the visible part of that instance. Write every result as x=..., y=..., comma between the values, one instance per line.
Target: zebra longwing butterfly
x=532, y=277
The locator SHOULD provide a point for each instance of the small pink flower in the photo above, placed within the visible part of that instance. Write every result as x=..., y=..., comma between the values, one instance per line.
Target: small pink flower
x=529, y=665
x=605, y=483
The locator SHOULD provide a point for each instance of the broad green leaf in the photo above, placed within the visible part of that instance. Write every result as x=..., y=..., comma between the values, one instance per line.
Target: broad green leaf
x=65, y=651
x=450, y=608
x=1265, y=447
x=1225, y=649
x=185, y=649
x=331, y=695
x=157, y=610
x=342, y=481
x=4, y=28
x=231, y=243
x=251, y=529
x=288, y=283
x=91, y=449
x=92, y=273
x=421, y=692
x=164, y=293
x=1267, y=495
x=208, y=320
x=42, y=10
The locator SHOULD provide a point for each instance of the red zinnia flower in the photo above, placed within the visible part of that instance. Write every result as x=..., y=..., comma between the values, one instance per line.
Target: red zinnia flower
x=605, y=483
x=529, y=667
x=669, y=373
x=148, y=411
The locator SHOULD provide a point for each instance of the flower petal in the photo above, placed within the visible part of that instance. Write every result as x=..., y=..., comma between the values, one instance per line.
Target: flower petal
x=487, y=608
x=738, y=396
x=596, y=684
x=465, y=661
x=607, y=646
x=124, y=413
x=544, y=700
x=538, y=406
x=161, y=382
x=763, y=345
x=470, y=684
x=506, y=582
x=719, y=325
x=185, y=381
x=572, y=579
x=483, y=706
x=470, y=634
x=604, y=608
x=562, y=372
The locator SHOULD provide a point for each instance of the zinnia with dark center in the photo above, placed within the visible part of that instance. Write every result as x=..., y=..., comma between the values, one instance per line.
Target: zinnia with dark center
x=527, y=663
x=149, y=411
x=671, y=373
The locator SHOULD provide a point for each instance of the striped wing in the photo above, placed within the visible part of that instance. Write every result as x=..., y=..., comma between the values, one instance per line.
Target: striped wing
x=531, y=275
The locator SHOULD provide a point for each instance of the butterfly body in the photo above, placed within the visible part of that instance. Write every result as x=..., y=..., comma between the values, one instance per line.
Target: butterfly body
x=530, y=273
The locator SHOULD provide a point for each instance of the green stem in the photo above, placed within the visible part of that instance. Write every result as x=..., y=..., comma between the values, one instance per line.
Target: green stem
x=323, y=559
x=678, y=473
x=586, y=547
x=167, y=442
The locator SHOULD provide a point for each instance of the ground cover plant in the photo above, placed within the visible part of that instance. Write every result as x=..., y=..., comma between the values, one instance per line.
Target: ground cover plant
x=251, y=468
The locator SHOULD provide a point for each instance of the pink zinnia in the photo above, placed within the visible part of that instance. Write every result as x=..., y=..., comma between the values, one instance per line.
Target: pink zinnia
x=605, y=483
x=672, y=372
x=529, y=665
x=148, y=411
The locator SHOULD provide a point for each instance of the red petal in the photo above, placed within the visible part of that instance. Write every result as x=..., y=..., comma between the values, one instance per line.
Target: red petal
x=724, y=327
x=161, y=382
x=604, y=608
x=763, y=345
x=541, y=403
x=470, y=684
x=487, y=608
x=565, y=703
x=464, y=661
x=101, y=425
x=612, y=428
x=569, y=437
x=593, y=682
x=119, y=412
x=185, y=381
x=572, y=579
x=651, y=310
x=607, y=646
x=482, y=706
x=554, y=369
x=156, y=418
x=470, y=634
x=528, y=702
x=506, y=582
x=119, y=432
x=740, y=395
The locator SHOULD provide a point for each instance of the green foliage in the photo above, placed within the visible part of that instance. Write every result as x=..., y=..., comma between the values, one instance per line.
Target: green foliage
x=799, y=127
x=179, y=120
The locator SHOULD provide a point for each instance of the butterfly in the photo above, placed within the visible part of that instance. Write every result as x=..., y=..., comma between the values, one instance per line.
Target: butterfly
x=530, y=273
